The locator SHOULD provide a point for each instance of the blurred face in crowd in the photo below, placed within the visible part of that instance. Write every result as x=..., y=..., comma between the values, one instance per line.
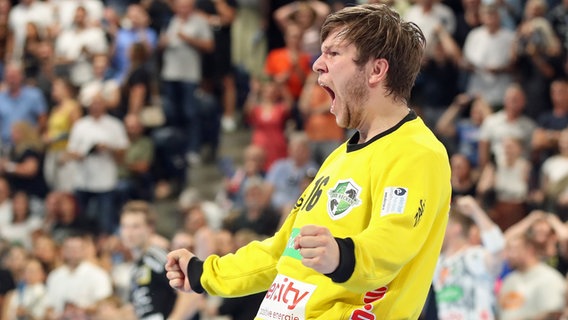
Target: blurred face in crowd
x=194, y=220
x=100, y=65
x=253, y=160
x=13, y=77
x=133, y=126
x=224, y=242
x=461, y=168
x=15, y=260
x=60, y=90
x=137, y=15
x=20, y=206
x=98, y=106
x=541, y=232
x=513, y=148
x=182, y=240
x=490, y=18
x=559, y=95
x=80, y=18
x=293, y=36
x=515, y=252
x=33, y=272
x=134, y=230
x=45, y=249
x=514, y=102
x=73, y=251
x=183, y=8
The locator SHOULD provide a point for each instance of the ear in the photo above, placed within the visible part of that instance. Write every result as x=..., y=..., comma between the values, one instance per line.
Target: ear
x=379, y=71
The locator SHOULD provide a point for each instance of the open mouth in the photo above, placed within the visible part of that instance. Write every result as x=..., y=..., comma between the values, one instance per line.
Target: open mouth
x=329, y=91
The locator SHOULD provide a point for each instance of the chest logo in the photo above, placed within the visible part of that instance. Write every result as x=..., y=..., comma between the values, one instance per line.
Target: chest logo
x=343, y=198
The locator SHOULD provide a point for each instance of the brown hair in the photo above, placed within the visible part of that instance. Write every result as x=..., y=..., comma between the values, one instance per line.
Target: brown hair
x=139, y=206
x=379, y=32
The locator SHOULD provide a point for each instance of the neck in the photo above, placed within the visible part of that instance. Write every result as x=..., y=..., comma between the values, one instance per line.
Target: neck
x=388, y=117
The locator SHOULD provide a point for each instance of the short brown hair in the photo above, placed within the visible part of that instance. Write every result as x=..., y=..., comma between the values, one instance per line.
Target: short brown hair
x=379, y=32
x=139, y=206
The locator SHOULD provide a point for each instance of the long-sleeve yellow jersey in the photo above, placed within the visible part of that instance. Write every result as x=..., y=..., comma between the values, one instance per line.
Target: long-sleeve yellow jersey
x=385, y=201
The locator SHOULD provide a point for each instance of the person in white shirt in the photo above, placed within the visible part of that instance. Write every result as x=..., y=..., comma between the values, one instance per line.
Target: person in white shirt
x=465, y=276
x=97, y=143
x=75, y=45
x=533, y=290
x=37, y=12
x=488, y=56
x=77, y=282
x=29, y=299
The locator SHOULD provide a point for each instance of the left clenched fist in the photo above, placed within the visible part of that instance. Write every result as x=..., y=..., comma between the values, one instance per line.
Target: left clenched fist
x=318, y=248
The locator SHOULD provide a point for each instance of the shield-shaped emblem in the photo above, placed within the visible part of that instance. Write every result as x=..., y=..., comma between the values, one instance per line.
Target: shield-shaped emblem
x=343, y=198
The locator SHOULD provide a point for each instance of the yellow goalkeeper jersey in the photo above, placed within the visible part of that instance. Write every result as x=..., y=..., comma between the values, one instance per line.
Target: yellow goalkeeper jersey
x=386, y=202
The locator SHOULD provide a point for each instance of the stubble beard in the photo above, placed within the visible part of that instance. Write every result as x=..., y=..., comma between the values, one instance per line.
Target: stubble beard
x=356, y=96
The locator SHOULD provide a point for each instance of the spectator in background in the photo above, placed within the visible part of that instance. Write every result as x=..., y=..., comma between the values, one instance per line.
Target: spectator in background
x=254, y=158
x=37, y=12
x=217, y=65
x=467, y=20
x=459, y=126
x=537, y=57
x=248, y=38
x=46, y=251
x=69, y=219
x=75, y=46
x=136, y=90
x=466, y=273
x=557, y=18
x=504, y=184
x=28, y=301
x=23, y=167
x=97, y=144
x=195, y=222
x=290, y=66
x=284, y=178
x=150, y=293
x=267, y=111
x=23, y=225
x=59, y=123
x=65, y=11
x=464, y=177
x=488, y=57
x=77, y=283
x=554, y=180
x=135, y=30
x=19, y=102
x=134, y=176
x=430, y=15
x=533, y=290
x=437, y=82
x=549, y=235
x=309, y=16
x=102, y=83
x=187, y=37
x=545, y=137
x=509, y=122
x=30, y=57
x=257, y=215
x=319, y=124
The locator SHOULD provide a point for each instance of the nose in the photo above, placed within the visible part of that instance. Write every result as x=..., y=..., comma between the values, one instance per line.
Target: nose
x=319, y=65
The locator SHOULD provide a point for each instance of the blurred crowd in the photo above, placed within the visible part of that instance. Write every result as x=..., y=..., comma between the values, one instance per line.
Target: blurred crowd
x=105, y=107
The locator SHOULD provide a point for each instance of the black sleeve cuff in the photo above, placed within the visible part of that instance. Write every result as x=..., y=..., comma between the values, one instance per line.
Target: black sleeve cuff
x=194, y=272
x=346, y=261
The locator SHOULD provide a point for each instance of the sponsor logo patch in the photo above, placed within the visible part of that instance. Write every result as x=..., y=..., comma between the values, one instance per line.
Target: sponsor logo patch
x=290, y=251
x=343, y=198
x=286, y=299
x=394, y=200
